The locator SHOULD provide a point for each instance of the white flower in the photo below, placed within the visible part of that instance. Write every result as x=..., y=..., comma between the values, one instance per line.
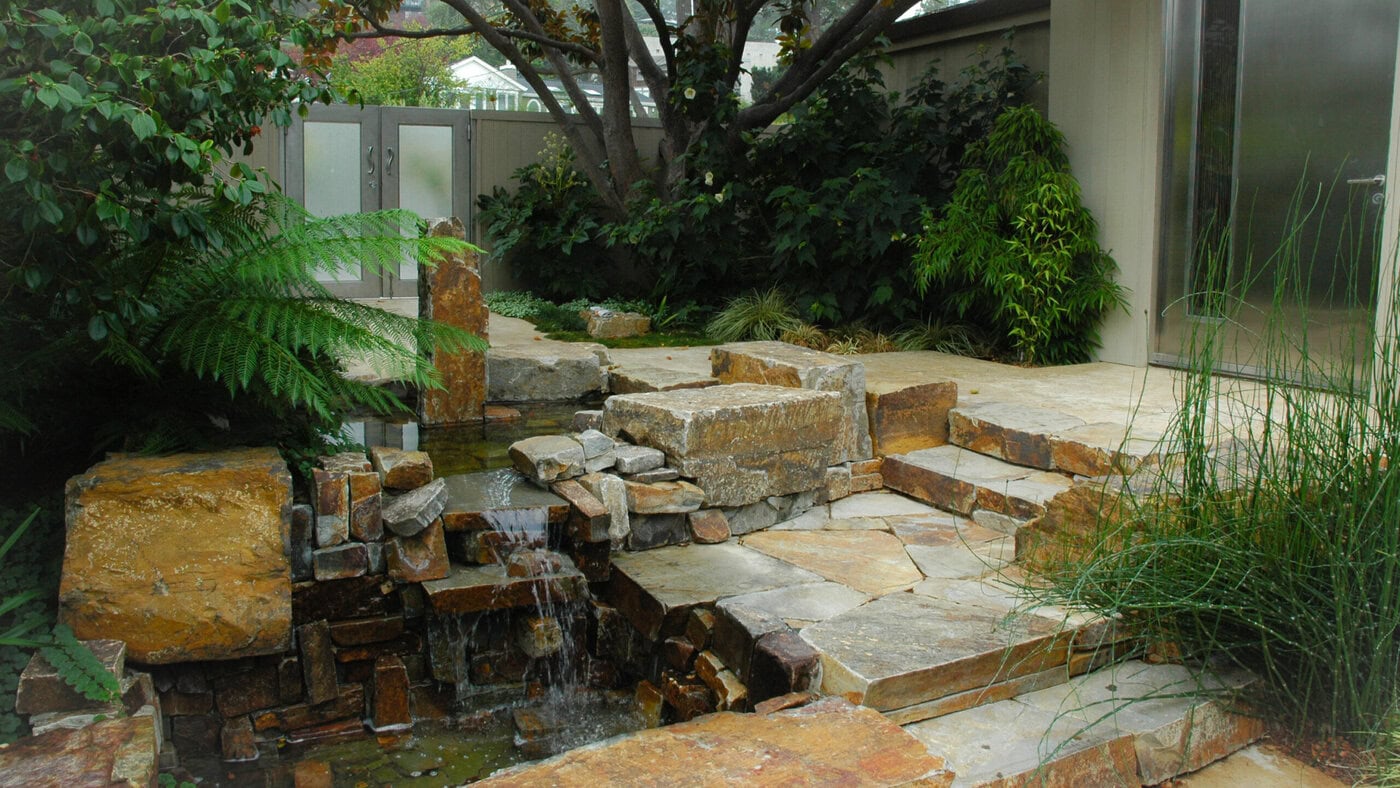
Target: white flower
x=709, y=179
x=719, y=196
x=689, y=93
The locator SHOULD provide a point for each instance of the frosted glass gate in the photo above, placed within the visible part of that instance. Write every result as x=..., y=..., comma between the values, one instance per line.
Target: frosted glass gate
x=345, y=159
x=1279, y=116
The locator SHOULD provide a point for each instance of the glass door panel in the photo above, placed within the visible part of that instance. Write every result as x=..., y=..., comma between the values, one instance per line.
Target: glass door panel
x=1280, y=112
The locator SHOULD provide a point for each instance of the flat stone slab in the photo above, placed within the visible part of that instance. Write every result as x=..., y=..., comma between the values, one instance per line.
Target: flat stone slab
x=656, y=589
x=470, y=589
x=804, y=605
x=878, y=504
x=960, y=480
x=906, y=417
x=1048, y=439
x=1259, y=764
x=829, y=742
x=963, y=560
x=115, y=752
x=872, y=562
x=782, y=364
x=471, y=497
x=1126, y=724
x=543, y=371
x=640, y=379
x=904, y=649
x=742, y=443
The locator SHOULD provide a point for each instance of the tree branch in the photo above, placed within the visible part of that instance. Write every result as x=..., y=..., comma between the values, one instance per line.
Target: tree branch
x=651, y=73
x=821, y=61
x=379, y=30
x=663, y=32
x=588, y=146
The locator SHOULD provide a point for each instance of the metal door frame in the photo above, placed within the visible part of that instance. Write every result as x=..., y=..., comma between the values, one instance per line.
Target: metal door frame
x=379, y=177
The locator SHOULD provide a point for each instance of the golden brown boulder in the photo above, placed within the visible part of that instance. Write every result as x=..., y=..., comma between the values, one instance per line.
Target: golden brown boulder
x=182, y=557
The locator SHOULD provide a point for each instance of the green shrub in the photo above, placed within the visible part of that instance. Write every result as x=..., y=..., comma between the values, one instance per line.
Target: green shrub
x=825, y=206
x=549, y=232
x=238, y=344
x=1017, y=243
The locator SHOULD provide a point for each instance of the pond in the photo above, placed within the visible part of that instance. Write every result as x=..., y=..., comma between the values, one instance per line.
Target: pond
x=474, y=447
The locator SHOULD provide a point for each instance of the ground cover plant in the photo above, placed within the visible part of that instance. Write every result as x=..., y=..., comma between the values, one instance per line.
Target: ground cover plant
x=1271, y=540
x=670, y=327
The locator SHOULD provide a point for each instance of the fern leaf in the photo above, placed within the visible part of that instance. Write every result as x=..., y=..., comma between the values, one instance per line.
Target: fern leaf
x=79, y=667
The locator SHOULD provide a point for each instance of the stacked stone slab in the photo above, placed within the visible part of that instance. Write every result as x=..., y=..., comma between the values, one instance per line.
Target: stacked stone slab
x=545, y=371
x=449, y=292
x=351, y=510
x=78, y=741
x=781, y=364
x=247, y=640
x=740, y=443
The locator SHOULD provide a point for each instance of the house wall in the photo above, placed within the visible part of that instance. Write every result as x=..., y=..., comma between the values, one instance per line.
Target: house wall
x=964, y=35
x=1103, y=62
x=1107, y=96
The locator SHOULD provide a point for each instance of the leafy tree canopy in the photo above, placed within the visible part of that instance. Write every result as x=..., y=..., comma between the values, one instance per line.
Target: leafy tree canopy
x=401, y=72
x=149, y=285
x=692, y=74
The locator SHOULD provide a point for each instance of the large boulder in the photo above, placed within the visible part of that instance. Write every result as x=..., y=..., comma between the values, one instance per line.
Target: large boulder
x=741, y=443
x=781, y=364
x=183, y=557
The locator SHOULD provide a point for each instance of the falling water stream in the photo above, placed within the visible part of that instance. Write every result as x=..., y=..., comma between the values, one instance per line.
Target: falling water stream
x=502, y=713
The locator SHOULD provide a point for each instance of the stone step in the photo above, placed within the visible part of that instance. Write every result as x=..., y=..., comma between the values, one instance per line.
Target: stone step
x=656, y=589
x=914, y=655
x=912, y=611
x=472, y=589
x=486, y=499
x=1049, y=440
x=1126, y=724
x=827, y=742
x=961, y=480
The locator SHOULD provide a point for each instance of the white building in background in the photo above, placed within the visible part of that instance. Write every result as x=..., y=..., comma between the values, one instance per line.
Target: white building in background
x=501, y=88
x=489, y=87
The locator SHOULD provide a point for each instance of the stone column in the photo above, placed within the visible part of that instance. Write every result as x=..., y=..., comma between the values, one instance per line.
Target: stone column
x=450, y=293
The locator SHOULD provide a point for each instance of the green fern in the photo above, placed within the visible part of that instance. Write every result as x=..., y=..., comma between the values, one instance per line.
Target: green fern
x=79, y=667
x=245, y=311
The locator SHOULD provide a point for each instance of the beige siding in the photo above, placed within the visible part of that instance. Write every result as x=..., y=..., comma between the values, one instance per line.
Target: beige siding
x=1107, y=97
x=957, y=49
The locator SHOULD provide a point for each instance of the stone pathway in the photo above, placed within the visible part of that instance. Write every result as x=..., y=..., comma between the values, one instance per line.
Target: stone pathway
x=914, y=614
x=911, y=603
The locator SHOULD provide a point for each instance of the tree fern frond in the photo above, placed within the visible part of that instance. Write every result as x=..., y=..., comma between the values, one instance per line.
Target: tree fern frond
x=123, y=352
x=79, y=667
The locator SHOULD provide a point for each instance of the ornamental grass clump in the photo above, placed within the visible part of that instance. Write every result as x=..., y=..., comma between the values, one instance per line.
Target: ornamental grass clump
x=1273, y=541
